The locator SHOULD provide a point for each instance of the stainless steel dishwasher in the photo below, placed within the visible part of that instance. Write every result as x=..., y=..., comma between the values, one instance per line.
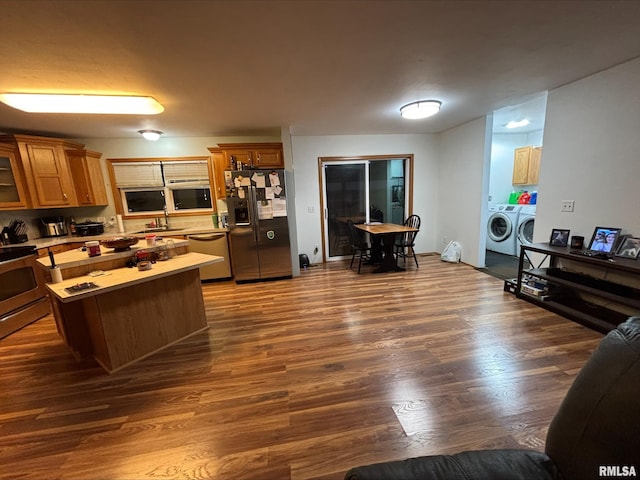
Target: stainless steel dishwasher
x=214, y=243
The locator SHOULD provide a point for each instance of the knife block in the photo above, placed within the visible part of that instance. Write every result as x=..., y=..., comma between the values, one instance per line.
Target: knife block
x=13, y=238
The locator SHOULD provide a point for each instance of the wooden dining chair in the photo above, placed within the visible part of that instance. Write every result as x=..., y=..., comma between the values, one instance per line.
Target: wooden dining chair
x=404, y=246
x=358, y=244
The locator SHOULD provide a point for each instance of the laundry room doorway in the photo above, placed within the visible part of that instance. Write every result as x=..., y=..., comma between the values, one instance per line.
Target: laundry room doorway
x=361, y=189
x=516, y=129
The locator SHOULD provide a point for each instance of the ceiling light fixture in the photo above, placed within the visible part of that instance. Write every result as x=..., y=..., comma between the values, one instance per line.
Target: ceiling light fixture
x=518, y=124
x=152, y=135
x=78, y=103
x=420, y=109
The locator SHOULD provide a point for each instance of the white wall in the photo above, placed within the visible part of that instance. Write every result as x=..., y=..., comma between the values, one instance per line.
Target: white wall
x=306, y=151
x=591, y=154
x=463, y=185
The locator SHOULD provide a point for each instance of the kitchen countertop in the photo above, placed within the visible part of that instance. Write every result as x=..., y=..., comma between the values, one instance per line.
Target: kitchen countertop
x=125, y=277
x=53, y=241
x=76, y=257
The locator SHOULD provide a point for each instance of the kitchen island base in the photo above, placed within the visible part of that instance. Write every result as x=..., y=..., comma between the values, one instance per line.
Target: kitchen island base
x=123, y=326
x=132, y=314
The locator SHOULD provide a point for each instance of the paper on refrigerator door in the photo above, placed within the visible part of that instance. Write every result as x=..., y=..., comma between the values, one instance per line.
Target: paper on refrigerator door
x=268, y=193
x=241, y=181
x=274, y=179
x=265, y=210
x=259, y=180
x=279, y=206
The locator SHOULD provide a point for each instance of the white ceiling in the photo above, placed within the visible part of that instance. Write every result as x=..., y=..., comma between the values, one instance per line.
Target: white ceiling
x=318, y=67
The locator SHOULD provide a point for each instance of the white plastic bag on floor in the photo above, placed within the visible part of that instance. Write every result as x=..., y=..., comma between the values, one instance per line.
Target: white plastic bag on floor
x=452, y=252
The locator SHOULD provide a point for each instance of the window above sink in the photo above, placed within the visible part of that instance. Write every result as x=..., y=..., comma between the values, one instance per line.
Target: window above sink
x=162, y=186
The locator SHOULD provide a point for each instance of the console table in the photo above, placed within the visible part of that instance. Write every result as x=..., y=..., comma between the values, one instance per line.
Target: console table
x=599, y=293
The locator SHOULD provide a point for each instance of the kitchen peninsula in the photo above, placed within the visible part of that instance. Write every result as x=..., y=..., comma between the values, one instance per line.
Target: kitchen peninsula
x=130, y=313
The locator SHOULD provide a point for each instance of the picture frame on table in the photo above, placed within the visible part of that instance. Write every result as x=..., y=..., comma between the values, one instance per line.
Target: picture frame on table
x=559, y=237
x=604, y=239
x=629, y=248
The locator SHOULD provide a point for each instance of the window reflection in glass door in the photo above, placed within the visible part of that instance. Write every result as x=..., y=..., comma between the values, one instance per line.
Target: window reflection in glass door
x=346, y=198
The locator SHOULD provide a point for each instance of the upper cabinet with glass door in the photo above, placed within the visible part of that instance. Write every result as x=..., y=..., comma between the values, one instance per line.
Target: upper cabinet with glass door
x=13, y=195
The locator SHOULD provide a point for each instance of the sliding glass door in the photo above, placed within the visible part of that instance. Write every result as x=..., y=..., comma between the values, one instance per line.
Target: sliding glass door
x=361, y=191
x=346, y=197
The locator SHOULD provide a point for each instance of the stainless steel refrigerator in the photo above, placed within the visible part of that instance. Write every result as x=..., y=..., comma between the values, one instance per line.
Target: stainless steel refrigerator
x=258, y=226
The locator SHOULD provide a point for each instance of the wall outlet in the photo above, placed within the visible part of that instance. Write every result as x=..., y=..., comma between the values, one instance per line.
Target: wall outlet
x=444, y=240
x=316, y=249
x=567, y=205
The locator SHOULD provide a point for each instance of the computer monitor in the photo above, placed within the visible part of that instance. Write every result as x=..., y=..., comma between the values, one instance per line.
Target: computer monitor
x=604, y=240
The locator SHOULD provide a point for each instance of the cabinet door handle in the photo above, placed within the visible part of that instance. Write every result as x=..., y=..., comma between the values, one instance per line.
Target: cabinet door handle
x=64, y=195
x=87, y=195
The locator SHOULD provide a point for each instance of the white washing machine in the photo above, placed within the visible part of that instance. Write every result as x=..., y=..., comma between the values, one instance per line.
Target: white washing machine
x=526, y=222
x=501, y=228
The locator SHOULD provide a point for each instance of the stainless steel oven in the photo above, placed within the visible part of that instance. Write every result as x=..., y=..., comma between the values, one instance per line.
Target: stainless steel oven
x=22, y=292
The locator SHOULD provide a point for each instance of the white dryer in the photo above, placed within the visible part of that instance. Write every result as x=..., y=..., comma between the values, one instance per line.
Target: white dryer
x=501, y=228
x=526, y=222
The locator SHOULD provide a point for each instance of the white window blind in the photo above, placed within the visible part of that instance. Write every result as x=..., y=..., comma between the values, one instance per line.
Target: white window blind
x=142, y=174
x=183, y=172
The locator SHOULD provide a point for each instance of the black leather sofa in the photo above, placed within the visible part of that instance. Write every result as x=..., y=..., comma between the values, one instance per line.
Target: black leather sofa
x=594, y=435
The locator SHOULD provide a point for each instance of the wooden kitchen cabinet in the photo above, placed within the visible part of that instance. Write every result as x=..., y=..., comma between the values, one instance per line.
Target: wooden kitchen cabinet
x=254, y=155
x=219, y=164
x=13, y=193
x=48, y=178
x=526, y=165
x=88, y=181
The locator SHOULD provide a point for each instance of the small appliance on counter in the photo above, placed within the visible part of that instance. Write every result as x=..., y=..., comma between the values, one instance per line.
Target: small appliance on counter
x=16, y=232
x=89, y=228
x=53, y=226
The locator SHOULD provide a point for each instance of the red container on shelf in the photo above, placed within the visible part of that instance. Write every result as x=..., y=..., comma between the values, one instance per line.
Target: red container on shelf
x=524, y=198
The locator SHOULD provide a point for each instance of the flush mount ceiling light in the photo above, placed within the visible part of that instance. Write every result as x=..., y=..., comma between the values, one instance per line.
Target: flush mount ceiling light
x=152, y=135
x=78, y=103
x=420, y=109
x=518, y=124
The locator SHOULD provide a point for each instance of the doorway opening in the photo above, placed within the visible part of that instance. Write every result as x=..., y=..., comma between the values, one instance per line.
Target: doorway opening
x=362, y=189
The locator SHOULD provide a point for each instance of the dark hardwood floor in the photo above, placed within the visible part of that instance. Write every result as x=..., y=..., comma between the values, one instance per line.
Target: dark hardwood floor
x=298, y=379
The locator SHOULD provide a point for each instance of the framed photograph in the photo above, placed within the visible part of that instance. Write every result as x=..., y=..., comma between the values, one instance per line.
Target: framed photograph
x=629, y=248
x=604, y=239
x=559, y=237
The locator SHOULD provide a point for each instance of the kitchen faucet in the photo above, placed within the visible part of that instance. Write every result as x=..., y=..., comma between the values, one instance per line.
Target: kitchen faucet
x=158, y=223
x=166, y=217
